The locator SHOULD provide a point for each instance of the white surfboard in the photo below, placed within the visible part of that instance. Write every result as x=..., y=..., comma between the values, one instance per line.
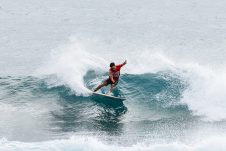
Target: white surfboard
x=109, y=96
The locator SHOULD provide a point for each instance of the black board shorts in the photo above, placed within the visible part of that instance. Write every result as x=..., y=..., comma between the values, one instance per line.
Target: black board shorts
x=108, y=81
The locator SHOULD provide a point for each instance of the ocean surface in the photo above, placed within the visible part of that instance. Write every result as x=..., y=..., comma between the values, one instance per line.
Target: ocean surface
x=52, y=52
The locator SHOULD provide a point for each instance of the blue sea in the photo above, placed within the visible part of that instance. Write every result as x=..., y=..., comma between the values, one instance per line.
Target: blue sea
x=53, y=52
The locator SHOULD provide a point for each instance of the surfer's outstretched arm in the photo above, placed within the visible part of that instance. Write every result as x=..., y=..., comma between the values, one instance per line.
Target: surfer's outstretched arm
x=124, y=63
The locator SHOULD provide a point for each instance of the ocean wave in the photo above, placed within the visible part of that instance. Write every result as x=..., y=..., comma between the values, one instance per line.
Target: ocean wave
x=201, y=91
x=163, y=89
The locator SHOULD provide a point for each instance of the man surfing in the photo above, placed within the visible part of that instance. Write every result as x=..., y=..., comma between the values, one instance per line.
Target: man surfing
x=114, y=74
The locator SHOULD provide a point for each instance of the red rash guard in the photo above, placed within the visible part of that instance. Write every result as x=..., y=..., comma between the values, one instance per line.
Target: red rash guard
x=116, y=72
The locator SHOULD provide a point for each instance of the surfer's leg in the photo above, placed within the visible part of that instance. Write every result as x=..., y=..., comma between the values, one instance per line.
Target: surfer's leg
x=112, y=87
x=100, y=86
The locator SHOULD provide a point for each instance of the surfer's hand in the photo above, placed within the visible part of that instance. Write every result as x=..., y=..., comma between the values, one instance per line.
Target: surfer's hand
x=125, y=62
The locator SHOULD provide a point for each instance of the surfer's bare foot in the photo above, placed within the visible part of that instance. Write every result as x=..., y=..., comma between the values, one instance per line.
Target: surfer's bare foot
x=110, y=93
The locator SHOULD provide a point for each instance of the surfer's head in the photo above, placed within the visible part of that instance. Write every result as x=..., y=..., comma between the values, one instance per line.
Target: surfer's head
x=112, y=65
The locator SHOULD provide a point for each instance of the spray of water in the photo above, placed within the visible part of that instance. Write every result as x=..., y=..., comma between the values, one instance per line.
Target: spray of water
x=205, y=95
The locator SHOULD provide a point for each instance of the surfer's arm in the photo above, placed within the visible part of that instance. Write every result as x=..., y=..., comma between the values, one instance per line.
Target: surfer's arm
x=111, y=77
x=124, y=63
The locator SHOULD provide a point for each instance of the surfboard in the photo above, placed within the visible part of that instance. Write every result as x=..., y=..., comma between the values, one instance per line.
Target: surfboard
x=108, y=96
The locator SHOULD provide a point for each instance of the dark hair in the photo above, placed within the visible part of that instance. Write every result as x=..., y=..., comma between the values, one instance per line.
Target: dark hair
x=112, y=64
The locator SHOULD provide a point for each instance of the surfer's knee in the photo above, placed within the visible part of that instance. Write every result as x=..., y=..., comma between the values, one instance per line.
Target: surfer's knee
x=105, y=84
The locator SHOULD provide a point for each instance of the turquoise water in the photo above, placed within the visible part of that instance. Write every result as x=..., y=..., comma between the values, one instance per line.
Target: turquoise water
x=152, y=105
x=33, y=109
x=37, y=113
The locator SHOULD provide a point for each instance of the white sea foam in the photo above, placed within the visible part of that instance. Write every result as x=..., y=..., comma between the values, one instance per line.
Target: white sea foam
x=206, y=95
x=80, y=143
x=70, y=62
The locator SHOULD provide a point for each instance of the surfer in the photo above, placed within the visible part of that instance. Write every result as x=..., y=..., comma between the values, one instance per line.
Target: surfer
x=114, y=74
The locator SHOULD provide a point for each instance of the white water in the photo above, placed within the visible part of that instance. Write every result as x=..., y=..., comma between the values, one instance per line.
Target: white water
x=90, y=144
